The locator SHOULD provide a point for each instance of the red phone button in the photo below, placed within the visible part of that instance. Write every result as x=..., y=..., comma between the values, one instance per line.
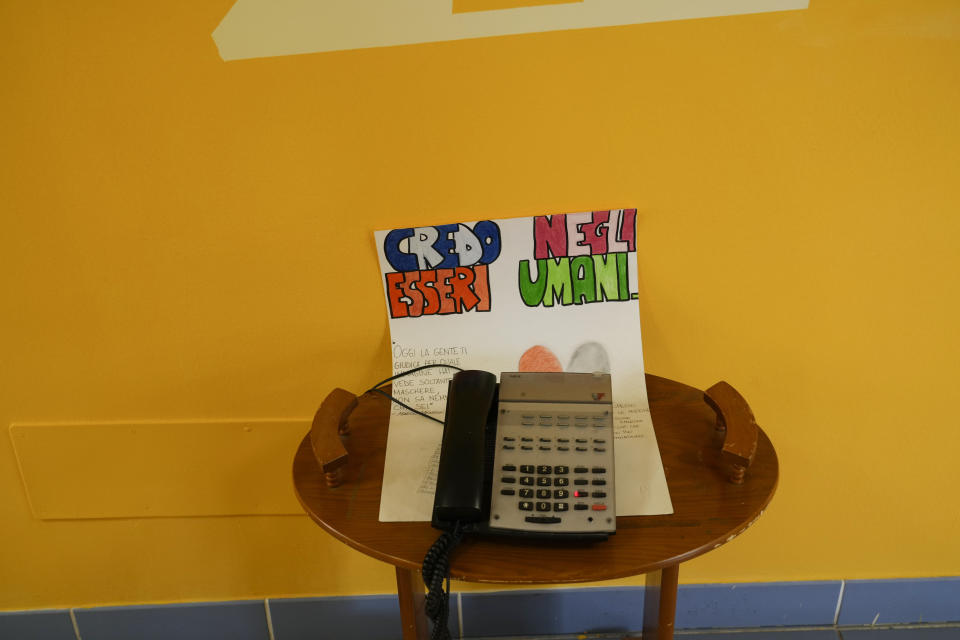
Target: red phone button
x=599, y=507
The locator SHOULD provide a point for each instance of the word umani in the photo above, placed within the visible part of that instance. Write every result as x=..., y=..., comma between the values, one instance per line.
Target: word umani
x=580, y=258
x=579, y=280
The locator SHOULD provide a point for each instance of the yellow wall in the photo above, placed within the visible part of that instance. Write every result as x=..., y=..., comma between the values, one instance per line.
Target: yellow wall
x=185, y=239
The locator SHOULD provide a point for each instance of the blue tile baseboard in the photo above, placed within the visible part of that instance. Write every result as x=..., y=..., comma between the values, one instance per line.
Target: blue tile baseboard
x=367, y=617
x=42, y=625
x=702, y=611
x=900, y=601
x=244, y=620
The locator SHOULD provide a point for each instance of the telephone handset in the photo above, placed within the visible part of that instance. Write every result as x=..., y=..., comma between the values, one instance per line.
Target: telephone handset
x=532, y=456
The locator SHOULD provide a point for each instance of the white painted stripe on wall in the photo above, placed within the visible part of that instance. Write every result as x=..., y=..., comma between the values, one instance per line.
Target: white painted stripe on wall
x=263, y=28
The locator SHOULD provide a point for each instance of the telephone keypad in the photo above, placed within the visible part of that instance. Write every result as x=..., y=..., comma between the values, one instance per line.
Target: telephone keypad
x=548, y=469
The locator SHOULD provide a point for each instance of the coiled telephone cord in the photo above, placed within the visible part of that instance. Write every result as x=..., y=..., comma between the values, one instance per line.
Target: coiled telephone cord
x=436, y=569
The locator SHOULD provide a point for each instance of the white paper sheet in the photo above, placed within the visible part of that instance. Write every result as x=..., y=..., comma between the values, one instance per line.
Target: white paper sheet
x=525, y=294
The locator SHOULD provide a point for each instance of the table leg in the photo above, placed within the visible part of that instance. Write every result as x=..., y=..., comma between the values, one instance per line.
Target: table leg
x=411, y=596
x=660, y=603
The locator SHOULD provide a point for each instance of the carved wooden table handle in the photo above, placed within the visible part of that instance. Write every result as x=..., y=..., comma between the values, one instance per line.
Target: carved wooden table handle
x=735, y=419
x=329, y=423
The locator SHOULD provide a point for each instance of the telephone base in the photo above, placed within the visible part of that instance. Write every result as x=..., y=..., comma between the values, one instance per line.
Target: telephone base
x=484, y=529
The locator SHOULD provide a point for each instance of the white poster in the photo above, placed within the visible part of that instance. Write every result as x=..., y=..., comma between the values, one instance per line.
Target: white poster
x=547, y=293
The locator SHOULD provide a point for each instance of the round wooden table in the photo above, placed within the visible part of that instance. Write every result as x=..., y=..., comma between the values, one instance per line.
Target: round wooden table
x=708, y=511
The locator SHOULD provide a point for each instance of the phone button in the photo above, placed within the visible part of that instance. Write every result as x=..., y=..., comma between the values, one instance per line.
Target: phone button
x=543, y=519
x=526, y=493
x=526, y=468
x=543, y=506
x=508, y=480
x=544, y=469
x=560, y=482
x=561, y=470
x=525, y=506
x=561, y=494
x=580, y=469
x=560, y=506
x=580, y=507
x=509, y=467
x=526, y=481
x=506, y=492
x=543, y=481
x=599, y=507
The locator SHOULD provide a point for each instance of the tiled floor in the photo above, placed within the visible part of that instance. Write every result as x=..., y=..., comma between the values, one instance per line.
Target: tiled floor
x=917, y=632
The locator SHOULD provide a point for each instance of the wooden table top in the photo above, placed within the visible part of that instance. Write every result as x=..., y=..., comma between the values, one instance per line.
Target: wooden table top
x=708, y=510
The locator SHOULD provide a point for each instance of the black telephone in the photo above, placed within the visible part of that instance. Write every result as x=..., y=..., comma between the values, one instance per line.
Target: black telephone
x=532, y=456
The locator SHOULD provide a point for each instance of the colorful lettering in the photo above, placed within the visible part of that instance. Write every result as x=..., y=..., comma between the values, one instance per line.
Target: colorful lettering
x=580, y=234
x=579, y=258
x=442, y=247
x=411, y=294
x=579, y=280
